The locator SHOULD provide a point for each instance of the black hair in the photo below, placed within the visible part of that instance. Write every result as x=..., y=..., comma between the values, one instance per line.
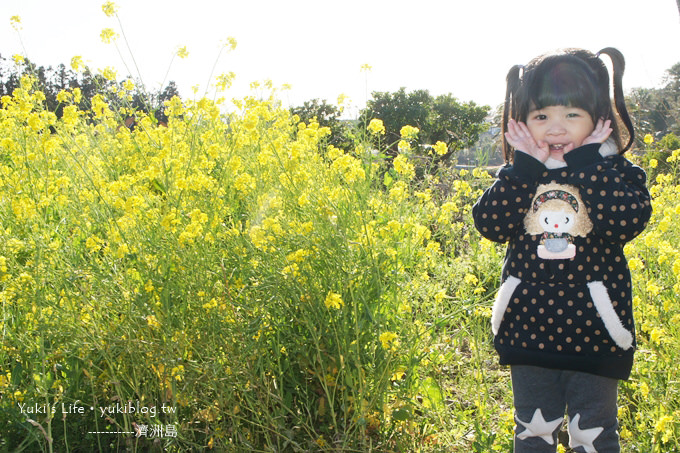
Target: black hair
x=572, y=78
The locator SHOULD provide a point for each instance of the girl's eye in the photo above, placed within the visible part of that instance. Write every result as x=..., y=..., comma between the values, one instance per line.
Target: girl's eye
x=540, y=117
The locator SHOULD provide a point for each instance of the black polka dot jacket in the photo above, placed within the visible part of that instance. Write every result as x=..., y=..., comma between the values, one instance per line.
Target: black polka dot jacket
x=565, y=301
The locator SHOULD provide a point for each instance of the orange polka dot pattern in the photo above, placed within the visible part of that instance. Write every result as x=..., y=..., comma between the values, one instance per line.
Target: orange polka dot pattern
x=551, y=318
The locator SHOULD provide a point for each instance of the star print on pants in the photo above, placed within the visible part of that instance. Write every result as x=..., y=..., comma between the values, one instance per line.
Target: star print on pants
x=538, y=427
x=582, y=437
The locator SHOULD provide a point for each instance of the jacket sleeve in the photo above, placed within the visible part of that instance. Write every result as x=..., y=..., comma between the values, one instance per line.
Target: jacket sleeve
x=500, y=211
x=614, y=191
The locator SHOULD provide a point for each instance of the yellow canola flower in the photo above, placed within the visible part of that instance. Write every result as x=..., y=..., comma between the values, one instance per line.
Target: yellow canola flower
x=644, y=389
x=77, y=63
x=77, y=95
x=653, y=289
x=334, y=300
x=230, y=43
x=656, y=335
x=409, y=132
x=662, y=426
x=376, y=127
x=399, y=373
x=471, y=279
x=152, y=321
x=109, y=73
x=649, y=139
x=349, y=167
x=109, y=9
x=64, y=96
x=148, y=287
x=70, y=115
x=440, y=148
x=93, y=243
x=635, y=264
x=245, y=183
x=389, y=340
x=403, y=146
x=107, y=35
x=225, y=80
x=15, y=22
x=404, y=167
x=182, y=52
x=674, y=157
x=333, y=153
x=177, y=372
x=399, y=192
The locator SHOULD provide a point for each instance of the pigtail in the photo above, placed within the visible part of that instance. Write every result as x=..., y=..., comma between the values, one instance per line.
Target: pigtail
x=510, y=108
x=619, y=65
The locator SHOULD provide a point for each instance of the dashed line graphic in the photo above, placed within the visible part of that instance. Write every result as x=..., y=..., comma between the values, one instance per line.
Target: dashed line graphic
x=111, y=432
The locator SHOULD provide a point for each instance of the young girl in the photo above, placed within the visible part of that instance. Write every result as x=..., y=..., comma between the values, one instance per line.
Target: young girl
x=566, y=202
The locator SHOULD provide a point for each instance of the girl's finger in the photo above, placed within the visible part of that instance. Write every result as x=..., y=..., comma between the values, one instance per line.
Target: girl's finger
x=598, y=127
x=603, y=126
x=511, y=139
x=517, y=131
x=523, y=127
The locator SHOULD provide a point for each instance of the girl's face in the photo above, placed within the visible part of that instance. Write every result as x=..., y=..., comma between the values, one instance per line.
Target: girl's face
x=559, y=126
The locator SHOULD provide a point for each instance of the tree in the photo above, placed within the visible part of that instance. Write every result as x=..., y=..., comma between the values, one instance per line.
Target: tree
x=656, y=111
x=443, y=118
x=399, y=109
x=327, y=115
x=51, y=81
x=456, y=124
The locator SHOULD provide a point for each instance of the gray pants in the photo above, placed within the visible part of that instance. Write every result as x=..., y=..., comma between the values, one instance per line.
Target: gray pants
x=541, y=397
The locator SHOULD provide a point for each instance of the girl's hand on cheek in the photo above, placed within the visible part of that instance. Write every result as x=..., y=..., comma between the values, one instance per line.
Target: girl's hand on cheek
x=520, y=138
x=601, y=132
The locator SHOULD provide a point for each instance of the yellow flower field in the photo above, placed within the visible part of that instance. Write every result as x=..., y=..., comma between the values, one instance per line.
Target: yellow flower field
x=218, y=266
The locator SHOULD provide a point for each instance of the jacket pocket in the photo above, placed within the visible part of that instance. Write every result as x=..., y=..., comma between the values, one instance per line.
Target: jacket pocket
x=603, y=304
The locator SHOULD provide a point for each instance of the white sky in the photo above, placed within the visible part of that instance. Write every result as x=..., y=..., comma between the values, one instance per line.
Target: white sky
x=463, y=47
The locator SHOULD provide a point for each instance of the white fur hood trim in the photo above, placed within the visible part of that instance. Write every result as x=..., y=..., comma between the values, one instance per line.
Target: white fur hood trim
x=608, y=148
x=552, y=163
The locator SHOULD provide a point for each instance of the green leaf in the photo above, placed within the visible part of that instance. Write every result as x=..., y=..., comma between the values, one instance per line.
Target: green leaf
x=432, y=394
x=387, y=180
x=401, y=414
